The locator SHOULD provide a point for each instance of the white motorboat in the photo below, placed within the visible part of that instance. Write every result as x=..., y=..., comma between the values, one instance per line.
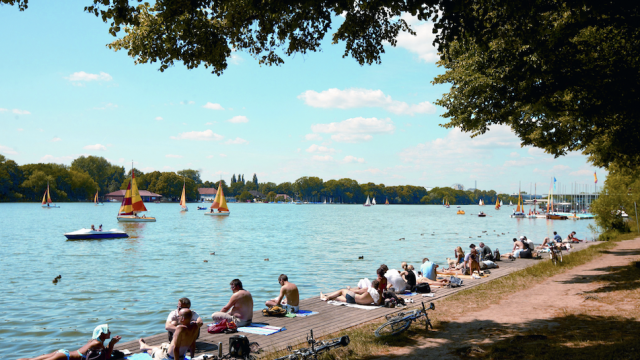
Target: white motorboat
x=93, y=234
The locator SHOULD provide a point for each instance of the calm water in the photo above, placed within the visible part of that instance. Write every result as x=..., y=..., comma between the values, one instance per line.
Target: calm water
x=133, y=283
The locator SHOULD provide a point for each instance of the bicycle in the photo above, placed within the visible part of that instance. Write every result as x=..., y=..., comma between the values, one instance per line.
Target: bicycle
x=555, y=254
x=399, y=322
x=317, y=347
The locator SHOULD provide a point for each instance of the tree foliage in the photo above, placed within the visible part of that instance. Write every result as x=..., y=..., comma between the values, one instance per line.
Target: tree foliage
x=620, y=191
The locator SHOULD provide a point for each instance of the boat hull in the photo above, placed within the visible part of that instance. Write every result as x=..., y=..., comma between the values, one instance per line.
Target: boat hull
x=518, y=216
x=135, y=219
x=460, y=212
x=226, y=213
x=50, y=207
x=87, y=234
x=556, y=217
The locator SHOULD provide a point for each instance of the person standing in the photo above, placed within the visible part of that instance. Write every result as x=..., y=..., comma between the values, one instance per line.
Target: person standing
x=240, y=306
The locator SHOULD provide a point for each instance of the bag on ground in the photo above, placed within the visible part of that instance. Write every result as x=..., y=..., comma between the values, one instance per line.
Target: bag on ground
x=423, y=288
x=496, y=255
x=239, y=346
x=274, y=311
x=223, y=326
x=388, y=294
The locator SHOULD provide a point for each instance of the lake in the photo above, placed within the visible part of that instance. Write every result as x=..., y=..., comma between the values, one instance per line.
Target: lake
x=133, y=283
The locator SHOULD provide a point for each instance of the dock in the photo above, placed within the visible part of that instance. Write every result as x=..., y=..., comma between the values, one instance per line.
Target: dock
x=330, y=318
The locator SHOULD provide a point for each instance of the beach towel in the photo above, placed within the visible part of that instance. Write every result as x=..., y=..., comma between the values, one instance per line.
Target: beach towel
x=143, y=356
x=306, y=313
x=409, y=294
x=261, y=329
x=357, y=306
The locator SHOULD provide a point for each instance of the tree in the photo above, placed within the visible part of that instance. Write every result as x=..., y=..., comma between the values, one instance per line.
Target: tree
x=11, y=177
x=83, y=187
x=191, y=174
x=233, y=179
x=243, y=182
x=244, y=196
x=255, y=180
x=620, y=191
x=562, y=74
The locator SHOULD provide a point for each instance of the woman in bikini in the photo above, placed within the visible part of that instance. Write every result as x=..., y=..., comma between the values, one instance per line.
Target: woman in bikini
x=100, y=334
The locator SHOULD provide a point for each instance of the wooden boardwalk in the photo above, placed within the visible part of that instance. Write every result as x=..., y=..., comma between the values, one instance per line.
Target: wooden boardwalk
x=330, y=319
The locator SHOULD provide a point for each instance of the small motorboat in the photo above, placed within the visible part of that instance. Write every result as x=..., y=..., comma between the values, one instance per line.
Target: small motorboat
x=93, y=234
x=481, y=214
x=556, y=217
x=202, y=208
x=519, y=215
x=460, y=212
x=49, y=206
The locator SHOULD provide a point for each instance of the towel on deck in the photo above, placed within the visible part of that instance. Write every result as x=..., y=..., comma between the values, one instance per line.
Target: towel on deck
x=306, y=313
x=143, y=356
x=357, y=306
x=409, y=294
x=261, y=329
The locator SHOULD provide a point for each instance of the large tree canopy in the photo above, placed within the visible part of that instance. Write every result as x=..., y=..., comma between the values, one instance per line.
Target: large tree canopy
x=563, y=74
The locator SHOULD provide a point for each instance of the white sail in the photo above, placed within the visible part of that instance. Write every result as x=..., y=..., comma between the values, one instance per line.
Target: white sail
x=368, y=203
x=373, y=202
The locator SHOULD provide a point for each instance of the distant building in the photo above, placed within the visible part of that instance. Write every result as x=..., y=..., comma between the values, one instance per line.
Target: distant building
x=457, y=187
x=256, y=194
x=284, y=196
x=144, y=194
x=207, y=194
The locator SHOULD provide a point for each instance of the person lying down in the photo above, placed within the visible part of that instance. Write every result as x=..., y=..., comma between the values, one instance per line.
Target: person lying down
x=364, y=296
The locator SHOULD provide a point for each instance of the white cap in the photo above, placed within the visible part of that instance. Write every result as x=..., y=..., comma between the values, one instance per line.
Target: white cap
x=522, y=237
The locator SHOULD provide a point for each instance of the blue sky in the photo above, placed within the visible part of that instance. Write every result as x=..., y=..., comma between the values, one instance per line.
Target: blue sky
x=63, y=94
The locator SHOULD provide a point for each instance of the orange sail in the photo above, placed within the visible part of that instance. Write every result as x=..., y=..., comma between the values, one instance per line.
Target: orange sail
x=46, y=198
x=497, y=203
x=220, y=202
x=518, y=207
x=95, y=199
x=183, y=198
x=132, y=202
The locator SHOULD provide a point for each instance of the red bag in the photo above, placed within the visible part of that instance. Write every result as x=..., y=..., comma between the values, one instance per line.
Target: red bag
x=223, y=326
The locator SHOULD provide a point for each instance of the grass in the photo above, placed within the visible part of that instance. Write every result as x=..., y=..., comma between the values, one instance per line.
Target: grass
x=365, y=345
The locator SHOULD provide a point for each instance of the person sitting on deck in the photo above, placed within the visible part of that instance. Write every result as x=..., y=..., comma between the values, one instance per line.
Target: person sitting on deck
x=545, y=244
x=395, y=280
x=240, y=306
x=572, y=237
x=430, y=275
x=100, y=334
x=367, y=296
x=382, y=280
x=485, y=252
x=184, y=339
x=518, y=247
x=557, y=238
x=173, y=320
x=288, y=292
x=409, y=276
x=471, y=262
x=459, y=256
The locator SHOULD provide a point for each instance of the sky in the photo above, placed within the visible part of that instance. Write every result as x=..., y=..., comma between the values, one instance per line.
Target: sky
x=64, y=94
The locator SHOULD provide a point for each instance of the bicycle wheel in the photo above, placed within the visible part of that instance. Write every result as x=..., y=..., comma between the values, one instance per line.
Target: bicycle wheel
x=393, y=327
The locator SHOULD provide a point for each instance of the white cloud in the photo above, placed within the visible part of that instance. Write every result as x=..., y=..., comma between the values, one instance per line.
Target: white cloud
x=210, y=157
x=159, y=118
x=422, y=43
x=313, y=137
x=357, y=98
x=350, y=159
x=355, y=129
x=173, y=156
x=7, y=150
x=97, y=147
x=21, y=112
x=582, y=173
x=3, y=110
x=322, y=158
x=55, y=139
x=20, y=129
x=235, y=59
x=238, y=119
x=83, y=76
x=206, y=135
x=223, y=155
x=237, y=141
x=321, y=149
x=213, y=106
x=56, y=159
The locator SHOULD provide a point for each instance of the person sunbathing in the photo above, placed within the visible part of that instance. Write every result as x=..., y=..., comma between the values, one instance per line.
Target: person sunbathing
x=184, y=338
x=367, y=296
x=545, y=244
x=100, y=334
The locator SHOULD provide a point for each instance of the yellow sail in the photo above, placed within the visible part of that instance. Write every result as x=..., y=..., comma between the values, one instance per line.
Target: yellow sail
x=518, y=208
x=132, y=202
x=497, y=203
x=220, y=202
x=95, y=199
x=46, y=198
x=183, y=198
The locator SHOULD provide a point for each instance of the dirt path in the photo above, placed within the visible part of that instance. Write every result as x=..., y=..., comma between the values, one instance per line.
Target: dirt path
x=525, y=310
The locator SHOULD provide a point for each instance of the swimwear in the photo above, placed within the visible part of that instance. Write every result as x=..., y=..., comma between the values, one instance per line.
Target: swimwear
x=66, y=352
x=81, y=356
x=350, y=298
x=290, y=308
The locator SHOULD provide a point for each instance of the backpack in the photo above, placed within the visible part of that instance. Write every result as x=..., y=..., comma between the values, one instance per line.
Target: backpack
x=274, y=311
x=496, y=255
x=423, y=288
x=388, y=294
x=239, y=346
x=223, y=326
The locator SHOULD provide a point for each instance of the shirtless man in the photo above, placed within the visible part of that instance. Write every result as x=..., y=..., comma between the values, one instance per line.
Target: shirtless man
x=184, y=338
x=289, y=291
x=365, y=296
x=240, y=306
x=100, y=334
x=518, y=246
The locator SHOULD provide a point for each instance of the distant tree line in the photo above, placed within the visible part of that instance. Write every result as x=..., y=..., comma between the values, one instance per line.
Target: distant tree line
x=88, y=174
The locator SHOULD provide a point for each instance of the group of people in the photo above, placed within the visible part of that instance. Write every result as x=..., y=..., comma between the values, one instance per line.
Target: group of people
x=93, y=228
x=183, y=324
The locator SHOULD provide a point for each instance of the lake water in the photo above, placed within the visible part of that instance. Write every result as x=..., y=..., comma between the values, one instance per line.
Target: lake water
x=133, y=283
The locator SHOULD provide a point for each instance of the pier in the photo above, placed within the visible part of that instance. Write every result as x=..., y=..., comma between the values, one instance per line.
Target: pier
x=330, y=318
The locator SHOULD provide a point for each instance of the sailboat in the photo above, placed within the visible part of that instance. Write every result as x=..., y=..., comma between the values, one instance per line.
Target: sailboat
x=519, y=212
x=447, y=204
x=481, y=203
x=550, y=215
x=497, y=204
x=220, y=203
x=374, y=201
x=368, y=203
x=183, y=198
x=501, y=203
x=510, y=203
x=386, y=202
x=95, y=199
x=46, y=199
x=132, y=203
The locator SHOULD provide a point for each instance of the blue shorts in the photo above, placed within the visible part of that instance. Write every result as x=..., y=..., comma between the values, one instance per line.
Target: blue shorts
x=350, y=299
x=66, y=352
